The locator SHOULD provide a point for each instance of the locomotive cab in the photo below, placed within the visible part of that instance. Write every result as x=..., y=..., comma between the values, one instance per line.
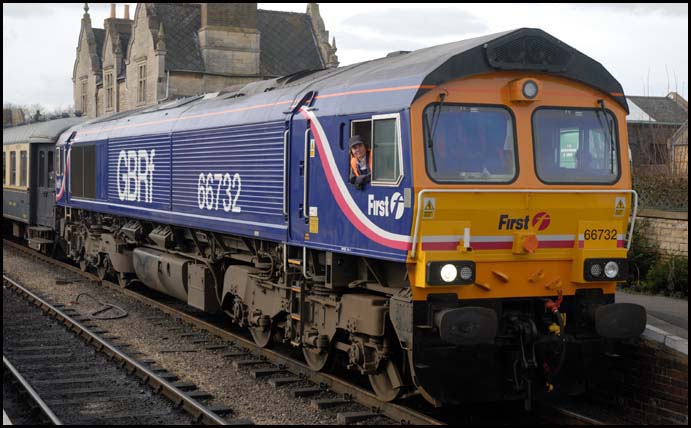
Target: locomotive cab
x=524, y=205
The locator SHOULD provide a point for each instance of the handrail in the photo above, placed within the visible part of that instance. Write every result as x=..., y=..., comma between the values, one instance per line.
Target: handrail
x=428, y=191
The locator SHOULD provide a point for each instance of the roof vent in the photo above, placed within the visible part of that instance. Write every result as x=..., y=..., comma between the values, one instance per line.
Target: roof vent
x=529, y=50
x=396, y=53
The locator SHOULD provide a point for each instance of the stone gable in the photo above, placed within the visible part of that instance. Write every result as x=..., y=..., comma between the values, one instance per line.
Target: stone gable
x=172, y=50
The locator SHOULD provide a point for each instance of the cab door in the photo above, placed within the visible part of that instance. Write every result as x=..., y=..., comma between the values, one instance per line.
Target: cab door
x=45, y=184
x=300, y=155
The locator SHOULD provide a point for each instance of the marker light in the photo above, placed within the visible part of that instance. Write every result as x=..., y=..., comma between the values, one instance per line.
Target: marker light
x=611, y=269
x=530, y=89
x=448, y=273
x=596, y=270
x=466, y=273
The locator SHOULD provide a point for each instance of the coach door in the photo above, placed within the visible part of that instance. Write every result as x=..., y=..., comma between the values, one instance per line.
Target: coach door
x=45, y=185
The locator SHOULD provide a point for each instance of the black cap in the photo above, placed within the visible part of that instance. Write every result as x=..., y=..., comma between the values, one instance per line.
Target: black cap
x=355, y=139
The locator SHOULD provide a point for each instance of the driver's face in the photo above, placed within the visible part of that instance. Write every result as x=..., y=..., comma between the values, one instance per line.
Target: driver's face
x=358, y=151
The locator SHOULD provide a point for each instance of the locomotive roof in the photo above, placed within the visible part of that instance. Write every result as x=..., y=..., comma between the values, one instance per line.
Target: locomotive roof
x=387, y=84
x=39, y=132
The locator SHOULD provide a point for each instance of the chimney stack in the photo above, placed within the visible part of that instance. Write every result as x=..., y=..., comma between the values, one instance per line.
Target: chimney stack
x=127, y=11
x=112, y=10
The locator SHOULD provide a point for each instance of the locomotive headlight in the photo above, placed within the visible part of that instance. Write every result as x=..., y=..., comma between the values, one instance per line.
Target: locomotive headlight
x=530, y=89
x=448, y=272
x=461, y=272
x=605, y=269
x=611, y=270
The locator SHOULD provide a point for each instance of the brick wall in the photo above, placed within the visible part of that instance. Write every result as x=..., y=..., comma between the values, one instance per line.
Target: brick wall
x=648, y=382
x=669, y=230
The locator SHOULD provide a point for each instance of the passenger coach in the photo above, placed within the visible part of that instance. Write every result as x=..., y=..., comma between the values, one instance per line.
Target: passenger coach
x=28, y=179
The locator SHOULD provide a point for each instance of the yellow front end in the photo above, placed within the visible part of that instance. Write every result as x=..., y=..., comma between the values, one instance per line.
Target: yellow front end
x=527, y=238
x=528, y=243
x=522, y=216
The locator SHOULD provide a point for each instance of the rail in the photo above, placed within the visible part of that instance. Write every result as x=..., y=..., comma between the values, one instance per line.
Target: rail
x=396, y=412
x=192, y=406
x=31, y=391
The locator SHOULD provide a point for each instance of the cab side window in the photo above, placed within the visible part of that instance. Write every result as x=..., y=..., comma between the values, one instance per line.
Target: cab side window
x=381, y=136
x=386, y=168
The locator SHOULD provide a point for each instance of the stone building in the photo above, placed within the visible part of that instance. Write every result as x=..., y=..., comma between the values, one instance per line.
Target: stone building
x=173, y=50
x=655, y=126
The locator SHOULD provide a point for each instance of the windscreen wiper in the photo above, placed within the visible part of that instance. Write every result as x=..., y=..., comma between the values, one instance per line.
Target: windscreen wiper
x=432, y=130
x=610, y=131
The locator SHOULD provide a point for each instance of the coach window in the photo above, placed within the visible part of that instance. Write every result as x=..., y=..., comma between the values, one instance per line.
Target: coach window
x=41, y=168
x=13, y=168
x=58, y=163
x=22, y=168
x=51, y=174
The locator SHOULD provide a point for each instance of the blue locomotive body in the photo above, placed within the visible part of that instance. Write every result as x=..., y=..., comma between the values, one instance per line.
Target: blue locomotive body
x=253, y=167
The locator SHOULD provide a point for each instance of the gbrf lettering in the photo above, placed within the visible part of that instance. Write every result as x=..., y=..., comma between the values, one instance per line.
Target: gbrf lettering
x=135, y=175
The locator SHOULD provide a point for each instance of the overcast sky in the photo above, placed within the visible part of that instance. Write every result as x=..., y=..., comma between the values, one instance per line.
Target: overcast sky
x=645, y=46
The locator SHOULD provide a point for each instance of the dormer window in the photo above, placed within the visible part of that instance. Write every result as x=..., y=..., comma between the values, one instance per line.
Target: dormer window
x=109, y=91
x=84, y=96
x=141, y=90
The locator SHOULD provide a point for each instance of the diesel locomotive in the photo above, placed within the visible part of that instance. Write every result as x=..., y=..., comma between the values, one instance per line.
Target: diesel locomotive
x=478, y=262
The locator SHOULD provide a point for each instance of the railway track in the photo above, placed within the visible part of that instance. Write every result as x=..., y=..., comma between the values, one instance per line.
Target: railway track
x=71, y=383
x=329, y=390
x=288, y=373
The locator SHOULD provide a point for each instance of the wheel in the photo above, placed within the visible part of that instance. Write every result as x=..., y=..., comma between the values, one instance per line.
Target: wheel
x=387, y=382
x=262, y=336
x=315, y=360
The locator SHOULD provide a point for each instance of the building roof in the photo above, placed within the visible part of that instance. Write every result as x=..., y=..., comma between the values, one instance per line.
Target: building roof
x=99, y=37
x=124, y=42
x=181, y=23
x=121, y=30
x=287, y=43
x=655, y=109
x=287, y=40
